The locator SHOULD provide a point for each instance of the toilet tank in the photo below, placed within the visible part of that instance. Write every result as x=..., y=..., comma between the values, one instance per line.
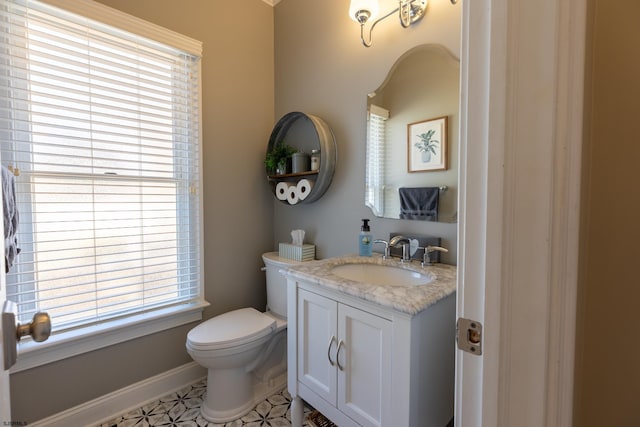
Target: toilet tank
x=276, y=282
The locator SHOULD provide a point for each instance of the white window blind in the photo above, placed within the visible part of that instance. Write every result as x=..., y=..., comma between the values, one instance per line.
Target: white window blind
x=375, y=185
x=104, y=128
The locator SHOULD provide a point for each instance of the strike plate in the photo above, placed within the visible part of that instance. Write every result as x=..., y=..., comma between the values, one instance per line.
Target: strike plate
x=10, y=340
x=469, y=336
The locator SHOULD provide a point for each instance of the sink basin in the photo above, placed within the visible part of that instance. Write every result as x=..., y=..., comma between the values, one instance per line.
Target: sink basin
x=377, y=274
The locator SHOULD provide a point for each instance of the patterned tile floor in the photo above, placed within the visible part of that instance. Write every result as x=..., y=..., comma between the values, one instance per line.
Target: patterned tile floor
x=183, y=409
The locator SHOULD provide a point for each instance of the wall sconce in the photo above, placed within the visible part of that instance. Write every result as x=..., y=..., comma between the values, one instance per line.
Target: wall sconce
x=409, y=12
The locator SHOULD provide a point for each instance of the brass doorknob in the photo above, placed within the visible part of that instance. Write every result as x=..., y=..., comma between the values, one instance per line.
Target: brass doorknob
x=39, y=328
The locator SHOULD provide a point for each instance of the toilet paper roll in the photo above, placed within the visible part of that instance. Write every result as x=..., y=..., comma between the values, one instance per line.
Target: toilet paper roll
x=282, y=190
x=304, y=188
x=292, y=195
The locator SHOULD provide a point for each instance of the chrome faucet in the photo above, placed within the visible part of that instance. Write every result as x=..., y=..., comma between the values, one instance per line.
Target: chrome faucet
x=426, y=258
x=385, y=254
x=404, y=241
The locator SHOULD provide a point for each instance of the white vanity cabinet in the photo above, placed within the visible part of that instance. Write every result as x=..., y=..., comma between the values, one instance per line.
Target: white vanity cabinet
x=363, y=364
x=344, y=356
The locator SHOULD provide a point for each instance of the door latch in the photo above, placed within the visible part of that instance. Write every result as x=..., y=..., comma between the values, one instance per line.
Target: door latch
x=469, y=336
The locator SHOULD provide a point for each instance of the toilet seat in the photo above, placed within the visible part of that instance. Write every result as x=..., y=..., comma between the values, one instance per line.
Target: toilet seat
x=231, y=329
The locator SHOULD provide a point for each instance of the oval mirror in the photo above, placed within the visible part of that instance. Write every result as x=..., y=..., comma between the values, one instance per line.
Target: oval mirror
x=412, y=138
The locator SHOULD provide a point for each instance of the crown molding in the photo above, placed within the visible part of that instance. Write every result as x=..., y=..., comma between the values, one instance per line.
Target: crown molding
x=271, y=2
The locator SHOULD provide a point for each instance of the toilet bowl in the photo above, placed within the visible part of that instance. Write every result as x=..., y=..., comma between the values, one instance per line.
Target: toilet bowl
x=244, y=351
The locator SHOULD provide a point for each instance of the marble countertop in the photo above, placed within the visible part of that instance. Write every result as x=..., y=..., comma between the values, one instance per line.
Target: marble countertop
x=410, y=299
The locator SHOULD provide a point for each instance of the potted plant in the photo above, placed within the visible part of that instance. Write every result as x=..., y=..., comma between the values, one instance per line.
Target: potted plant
x=427, y=146
x=276, y=158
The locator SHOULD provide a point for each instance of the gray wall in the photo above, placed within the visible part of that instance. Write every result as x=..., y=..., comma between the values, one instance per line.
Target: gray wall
x=238, y=100
x=323, y=69
x=607, y=381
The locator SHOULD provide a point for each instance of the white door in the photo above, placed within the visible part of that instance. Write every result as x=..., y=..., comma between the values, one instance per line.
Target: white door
x=5, y=398
x=522, y=66
x=474, y=205
x=39, y=329
x=317, y=344
x=364, y=367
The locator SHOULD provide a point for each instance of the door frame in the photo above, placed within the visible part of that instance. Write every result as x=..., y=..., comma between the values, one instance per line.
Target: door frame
x=522, y=77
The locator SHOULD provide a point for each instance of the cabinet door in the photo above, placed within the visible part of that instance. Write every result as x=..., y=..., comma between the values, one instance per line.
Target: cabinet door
x=364, y=362
x=317, y=343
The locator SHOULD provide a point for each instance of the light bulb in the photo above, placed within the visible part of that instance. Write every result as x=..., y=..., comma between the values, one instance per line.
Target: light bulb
x=363, y=10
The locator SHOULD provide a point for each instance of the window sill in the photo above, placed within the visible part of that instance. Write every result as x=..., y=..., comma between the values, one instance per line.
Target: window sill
x=72, y=343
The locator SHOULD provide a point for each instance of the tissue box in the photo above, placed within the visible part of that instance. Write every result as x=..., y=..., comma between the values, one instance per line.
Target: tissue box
x=304, y=252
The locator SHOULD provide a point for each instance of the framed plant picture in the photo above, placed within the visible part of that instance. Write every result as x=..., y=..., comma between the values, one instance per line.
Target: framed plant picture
x=427, y=145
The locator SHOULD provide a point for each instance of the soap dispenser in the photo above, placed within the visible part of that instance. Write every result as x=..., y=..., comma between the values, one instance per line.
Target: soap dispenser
x=366, y=244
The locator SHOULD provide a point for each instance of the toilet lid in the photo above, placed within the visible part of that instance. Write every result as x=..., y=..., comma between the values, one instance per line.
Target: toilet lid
x=231, y=329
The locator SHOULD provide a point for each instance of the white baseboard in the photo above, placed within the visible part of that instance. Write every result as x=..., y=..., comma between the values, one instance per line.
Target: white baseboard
x=110, y=405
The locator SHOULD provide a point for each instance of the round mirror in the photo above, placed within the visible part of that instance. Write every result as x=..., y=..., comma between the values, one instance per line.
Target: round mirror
x=412, y=138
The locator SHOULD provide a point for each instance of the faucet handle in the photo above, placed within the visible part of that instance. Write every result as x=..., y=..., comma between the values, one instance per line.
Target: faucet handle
x=385, y=254
x=426, y=257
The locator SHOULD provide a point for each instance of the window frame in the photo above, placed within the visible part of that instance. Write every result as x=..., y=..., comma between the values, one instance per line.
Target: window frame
x=375, y=185
x=73, y=342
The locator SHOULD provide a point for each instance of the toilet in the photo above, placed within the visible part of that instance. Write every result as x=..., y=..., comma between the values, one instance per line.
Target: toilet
x=244, y=350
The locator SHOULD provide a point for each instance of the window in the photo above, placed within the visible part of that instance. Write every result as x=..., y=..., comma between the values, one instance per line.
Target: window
x=104, y=128
x=375, y=170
